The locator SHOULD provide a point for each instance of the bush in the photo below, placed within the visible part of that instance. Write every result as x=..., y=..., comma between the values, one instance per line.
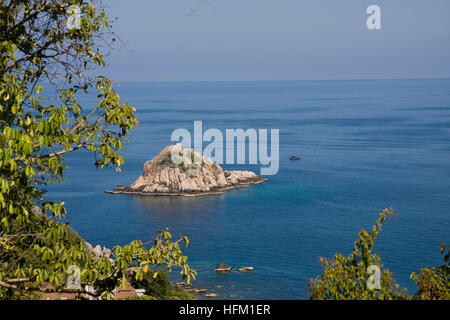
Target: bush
x=432, y=282
x=159, y=287
x=351, y=278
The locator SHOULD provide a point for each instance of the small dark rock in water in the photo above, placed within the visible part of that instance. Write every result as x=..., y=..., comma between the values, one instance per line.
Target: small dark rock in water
x=222, y=267
x=245, y=269
x=295, y=158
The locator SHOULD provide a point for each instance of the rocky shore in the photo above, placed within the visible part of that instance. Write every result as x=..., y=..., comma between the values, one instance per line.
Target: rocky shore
x=198, y=291
x=177, y=171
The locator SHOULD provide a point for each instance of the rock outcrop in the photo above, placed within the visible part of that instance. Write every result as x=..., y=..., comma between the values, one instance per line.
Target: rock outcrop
x=223, y=267
x=177, y=171
x=245, y=269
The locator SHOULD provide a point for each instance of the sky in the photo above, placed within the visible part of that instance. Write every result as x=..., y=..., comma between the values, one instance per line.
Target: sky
x=242, y=40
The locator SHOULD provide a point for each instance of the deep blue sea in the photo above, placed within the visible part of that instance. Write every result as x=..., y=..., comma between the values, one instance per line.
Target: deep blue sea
x=365, y=145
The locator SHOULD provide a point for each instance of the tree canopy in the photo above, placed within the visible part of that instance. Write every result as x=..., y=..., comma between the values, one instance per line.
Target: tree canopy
x=45, y=65
x=361, y=276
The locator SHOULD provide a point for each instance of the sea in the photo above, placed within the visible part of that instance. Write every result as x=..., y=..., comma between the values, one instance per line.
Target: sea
x=365, y=145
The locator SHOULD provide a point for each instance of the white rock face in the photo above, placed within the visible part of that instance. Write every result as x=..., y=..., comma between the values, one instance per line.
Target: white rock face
x=177, y=170
x=97, y=251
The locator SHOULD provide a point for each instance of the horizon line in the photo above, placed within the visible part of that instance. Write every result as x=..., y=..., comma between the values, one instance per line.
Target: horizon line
x=299, y=80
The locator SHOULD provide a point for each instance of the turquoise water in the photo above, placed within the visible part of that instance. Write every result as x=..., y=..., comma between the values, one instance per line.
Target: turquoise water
x=365, y=145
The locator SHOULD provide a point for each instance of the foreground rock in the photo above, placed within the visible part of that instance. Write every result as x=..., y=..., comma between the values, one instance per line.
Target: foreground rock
x=177, y=171
x=196, y=290
x=199, y=291
x=245, y=269
x=222, y=267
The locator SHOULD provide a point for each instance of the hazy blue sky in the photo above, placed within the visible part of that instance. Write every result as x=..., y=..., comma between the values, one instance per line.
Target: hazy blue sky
x=279, y=40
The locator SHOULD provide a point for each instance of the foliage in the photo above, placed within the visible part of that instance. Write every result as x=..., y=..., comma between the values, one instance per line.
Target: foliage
x=38, y=127
x=157, y=287
x=8, y=293
x=346, y=277
x=432, y=282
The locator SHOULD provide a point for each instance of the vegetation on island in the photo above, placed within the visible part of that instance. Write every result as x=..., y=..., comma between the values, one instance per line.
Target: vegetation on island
x=38, y=127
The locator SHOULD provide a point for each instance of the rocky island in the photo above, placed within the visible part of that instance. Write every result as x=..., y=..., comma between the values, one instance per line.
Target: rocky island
x=178, y=171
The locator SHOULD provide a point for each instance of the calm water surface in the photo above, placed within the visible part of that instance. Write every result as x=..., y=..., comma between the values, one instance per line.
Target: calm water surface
x=365, y=145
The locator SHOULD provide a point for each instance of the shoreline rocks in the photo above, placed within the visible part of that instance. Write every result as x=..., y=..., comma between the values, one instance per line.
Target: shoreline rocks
x=222, y=267
x=245, y=269
x=176, y=171
x=200, y=291
x=98, y=251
